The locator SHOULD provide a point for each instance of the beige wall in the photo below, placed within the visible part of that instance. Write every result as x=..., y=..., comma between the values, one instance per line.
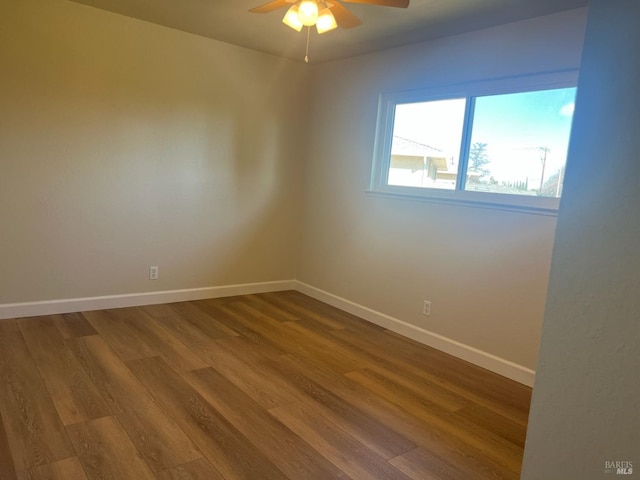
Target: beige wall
x=485, y=271
x=586, y=407
x=124, y=144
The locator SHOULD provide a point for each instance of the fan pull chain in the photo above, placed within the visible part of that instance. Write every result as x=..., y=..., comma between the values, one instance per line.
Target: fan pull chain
x=306, y=53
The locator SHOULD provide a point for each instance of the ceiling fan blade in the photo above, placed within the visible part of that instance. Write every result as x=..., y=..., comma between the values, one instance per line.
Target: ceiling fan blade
x=383, y=3
x=271, y=6
x=344, y=18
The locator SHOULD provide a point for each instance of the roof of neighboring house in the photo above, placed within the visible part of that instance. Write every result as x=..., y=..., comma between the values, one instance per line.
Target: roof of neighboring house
x=405, y=146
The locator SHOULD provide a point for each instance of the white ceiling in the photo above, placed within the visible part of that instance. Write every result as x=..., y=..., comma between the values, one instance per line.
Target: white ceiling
x=229, y=21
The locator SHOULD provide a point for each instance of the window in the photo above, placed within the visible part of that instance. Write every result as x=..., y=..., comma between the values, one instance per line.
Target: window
x=500, y=143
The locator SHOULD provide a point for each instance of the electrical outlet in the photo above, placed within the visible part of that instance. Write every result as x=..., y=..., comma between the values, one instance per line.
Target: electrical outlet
x=153, y=273
x=426, y=308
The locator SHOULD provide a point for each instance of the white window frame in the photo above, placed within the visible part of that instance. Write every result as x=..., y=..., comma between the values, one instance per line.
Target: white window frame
x=384, y=137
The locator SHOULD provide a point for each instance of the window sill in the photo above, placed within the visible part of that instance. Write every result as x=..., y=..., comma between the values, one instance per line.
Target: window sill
x=514, y=203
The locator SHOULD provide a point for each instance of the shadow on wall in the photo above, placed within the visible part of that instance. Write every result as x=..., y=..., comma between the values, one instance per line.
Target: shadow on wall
x=125, y=145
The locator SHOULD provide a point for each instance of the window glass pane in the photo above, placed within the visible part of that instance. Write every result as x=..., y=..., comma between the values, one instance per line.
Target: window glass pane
x=426, y=144
x=519, y=142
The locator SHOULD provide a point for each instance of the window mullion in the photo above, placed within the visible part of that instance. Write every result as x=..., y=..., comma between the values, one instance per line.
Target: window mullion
x=465, y=145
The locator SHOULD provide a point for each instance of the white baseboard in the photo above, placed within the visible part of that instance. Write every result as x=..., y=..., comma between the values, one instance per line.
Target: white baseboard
x=52, y=307
x=473, y=355
x=465, y=352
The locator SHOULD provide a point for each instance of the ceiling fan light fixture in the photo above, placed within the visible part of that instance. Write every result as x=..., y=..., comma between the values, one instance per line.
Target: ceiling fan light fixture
x=326, y=21
x=291, y=18
x=308, y=12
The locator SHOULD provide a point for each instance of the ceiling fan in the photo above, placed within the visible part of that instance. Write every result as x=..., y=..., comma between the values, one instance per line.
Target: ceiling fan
x=326, y=15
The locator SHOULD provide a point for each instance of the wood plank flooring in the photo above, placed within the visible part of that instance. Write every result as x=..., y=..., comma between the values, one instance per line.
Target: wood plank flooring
x=269, y=386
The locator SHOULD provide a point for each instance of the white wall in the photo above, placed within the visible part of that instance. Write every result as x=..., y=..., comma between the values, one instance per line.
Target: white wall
x=124, y=144
x=486, y=271
x=586, y=407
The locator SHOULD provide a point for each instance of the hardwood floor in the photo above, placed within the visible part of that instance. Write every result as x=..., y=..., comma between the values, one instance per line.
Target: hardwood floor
x=270, y=386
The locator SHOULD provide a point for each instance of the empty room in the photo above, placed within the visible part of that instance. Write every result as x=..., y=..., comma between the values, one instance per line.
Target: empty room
x=359, y=239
